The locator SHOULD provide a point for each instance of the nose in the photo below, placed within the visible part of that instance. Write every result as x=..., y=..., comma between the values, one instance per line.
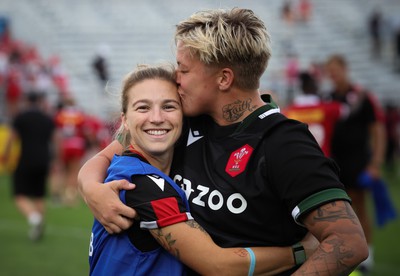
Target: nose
x=157, y=116
x=178, y=77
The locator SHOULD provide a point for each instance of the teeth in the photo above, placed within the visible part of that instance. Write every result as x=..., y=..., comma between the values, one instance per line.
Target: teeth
x=156, y=132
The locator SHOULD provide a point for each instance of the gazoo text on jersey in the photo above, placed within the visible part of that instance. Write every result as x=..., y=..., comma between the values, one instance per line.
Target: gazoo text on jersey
x=212, y=199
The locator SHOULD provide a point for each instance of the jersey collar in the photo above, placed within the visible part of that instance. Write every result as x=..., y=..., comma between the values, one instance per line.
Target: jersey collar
x=262, y=112
x=131, y=151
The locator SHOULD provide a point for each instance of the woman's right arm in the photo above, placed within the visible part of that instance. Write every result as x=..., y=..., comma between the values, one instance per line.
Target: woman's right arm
x=103, y=200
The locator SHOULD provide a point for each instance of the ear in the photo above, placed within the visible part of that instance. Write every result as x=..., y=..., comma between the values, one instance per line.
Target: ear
x=225, y=79
x=123, y=121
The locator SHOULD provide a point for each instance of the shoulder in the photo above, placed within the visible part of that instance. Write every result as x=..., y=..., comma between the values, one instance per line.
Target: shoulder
x=277, y=123
x=288, y=138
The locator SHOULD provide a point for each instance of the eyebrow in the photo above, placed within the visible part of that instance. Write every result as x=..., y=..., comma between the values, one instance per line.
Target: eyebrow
x=149, y=101
x=180, y=64
x=171, y=100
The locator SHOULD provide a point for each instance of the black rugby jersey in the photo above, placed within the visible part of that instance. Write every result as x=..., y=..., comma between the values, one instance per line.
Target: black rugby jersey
x=246, y=183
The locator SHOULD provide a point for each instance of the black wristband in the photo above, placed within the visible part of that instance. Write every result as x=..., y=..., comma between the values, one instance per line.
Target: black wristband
x=299, y=254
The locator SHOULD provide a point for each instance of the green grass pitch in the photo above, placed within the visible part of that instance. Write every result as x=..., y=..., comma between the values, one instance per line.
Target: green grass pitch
x=64, y=248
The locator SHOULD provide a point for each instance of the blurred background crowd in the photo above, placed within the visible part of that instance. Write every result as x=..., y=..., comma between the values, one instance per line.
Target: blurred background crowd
x=74, y=54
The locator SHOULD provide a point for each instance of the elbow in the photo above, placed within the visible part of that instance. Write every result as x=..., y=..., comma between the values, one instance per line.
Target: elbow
x=361, y=252
x=348, y=251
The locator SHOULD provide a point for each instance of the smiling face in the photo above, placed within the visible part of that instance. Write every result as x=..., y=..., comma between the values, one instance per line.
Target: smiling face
x=153, y=117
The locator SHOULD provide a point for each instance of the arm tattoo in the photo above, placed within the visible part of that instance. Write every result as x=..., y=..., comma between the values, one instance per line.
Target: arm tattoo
x=194, y=224
x=333, y=253
x=325, y=265
x=168, y=242
x=332, y=213
x=232, y=112
x=241, y=252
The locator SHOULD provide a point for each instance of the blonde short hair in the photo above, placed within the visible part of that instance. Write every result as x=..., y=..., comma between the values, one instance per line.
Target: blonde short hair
x=234, y=38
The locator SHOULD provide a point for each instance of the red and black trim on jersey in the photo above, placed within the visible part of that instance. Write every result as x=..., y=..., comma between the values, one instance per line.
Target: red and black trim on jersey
x=158, y=201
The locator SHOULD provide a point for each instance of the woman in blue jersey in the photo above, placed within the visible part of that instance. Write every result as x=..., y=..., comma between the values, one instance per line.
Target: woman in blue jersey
x=166, y=234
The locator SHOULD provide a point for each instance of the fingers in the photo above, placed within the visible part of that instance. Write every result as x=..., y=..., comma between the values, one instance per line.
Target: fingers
x=113, y=229
x=115, y=223
x=126, y=212
x=115, y=216
x=118, y=207
x=123, y=184
x=107, y=207
x=122, y=225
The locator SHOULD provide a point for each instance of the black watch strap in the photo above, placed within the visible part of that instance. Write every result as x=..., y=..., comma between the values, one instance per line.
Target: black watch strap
x=299, y=253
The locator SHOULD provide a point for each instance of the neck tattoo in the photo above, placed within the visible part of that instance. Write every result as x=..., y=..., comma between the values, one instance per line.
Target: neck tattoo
x=232, y=112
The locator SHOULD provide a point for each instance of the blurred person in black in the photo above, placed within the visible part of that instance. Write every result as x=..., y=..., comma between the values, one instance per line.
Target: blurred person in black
x=358, y=141
x=396, y=42
x=375, y=30
x=100, y=64
x=392, y=120
x=35, y=130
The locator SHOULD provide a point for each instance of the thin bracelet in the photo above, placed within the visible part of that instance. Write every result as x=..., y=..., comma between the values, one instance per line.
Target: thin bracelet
x=252, y=261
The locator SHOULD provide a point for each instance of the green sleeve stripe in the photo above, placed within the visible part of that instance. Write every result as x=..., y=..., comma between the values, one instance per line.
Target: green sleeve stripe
x=318, y=199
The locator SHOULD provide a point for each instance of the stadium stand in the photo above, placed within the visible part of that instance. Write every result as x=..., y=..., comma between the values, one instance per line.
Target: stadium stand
x=142, y=32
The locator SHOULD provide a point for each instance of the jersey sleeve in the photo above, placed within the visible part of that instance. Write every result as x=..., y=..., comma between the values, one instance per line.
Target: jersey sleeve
x=157, y=203
x=375, y=111
x=303, y=177
x=318, y=199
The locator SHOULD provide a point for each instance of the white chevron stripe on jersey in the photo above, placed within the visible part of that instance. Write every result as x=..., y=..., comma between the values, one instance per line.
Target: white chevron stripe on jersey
x=160, y=182
x=269, y=112
x=193, y=137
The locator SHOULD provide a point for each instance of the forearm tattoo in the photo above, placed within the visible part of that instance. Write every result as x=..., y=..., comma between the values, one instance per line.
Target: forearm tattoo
x=167, y=241
x=241, y=252
x=332, y=213
x=194, y=224
x=333, y=255
x=232, y=112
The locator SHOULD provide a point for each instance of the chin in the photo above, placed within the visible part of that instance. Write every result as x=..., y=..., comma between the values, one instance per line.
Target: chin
x=191, y=113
